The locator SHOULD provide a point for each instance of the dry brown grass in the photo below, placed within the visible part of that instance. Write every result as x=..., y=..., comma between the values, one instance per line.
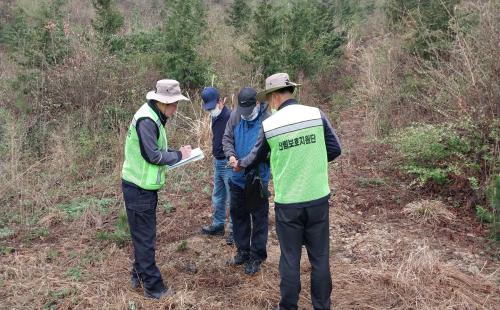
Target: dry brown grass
x=429, y=211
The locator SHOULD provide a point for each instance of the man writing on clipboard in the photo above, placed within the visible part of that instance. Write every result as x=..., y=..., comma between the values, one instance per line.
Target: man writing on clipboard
x=143, y=174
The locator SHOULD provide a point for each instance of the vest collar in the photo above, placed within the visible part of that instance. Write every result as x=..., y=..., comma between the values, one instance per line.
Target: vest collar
x=287, y=103
x=161, y=116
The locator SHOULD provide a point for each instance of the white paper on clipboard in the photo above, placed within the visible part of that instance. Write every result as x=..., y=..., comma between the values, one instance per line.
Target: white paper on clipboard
x=196, y=154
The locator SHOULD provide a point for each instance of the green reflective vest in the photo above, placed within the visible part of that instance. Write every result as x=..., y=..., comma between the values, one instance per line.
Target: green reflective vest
x=299, y=162
x=136, y=169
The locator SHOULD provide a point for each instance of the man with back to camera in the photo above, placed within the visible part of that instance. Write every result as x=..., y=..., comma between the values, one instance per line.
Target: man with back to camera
x=301, y=141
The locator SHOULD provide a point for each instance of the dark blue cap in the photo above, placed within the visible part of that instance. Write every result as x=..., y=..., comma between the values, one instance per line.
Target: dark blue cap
x=210, y=96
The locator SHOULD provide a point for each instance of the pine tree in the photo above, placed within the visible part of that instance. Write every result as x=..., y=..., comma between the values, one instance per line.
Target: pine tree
x=239, y=15
x=183, y=32
x=268, y=42
x=108, y=20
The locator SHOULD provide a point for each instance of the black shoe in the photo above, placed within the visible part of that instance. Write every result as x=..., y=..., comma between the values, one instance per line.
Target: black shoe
x=164, y=294
x=252, y=267
x=230, y=239
x=240, y=258
x=135, y=283
x=213, y=230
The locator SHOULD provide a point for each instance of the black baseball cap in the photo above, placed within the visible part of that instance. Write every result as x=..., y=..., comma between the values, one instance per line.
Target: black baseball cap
x=247, y=99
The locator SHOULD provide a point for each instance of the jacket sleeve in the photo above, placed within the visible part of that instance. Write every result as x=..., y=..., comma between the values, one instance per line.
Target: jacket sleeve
x=333, y=148
x=148, y=134
x=228, y=137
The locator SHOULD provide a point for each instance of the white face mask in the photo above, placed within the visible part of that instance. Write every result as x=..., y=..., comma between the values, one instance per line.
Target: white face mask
x=252, y=115
x=215, y=112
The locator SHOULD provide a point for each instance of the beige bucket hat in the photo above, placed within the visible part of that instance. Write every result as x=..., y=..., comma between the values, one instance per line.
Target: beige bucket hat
x=275, y=82
x=167, y=91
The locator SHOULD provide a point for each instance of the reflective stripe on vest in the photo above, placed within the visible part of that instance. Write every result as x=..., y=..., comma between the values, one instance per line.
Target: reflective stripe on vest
x=135, y=168
x=299, y=163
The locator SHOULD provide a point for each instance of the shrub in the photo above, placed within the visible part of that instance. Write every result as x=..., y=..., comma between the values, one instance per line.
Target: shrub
x=36, y=41
x=431, y=152
x=108, y=22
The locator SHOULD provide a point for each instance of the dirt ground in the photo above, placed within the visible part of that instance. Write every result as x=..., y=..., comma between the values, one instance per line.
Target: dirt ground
x=381, y=257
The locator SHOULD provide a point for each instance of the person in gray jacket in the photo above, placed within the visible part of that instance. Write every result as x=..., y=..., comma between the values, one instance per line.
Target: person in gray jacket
x=248, y=213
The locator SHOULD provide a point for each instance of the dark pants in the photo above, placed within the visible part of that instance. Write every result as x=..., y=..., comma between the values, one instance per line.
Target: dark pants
x=310, y=227
x=250, y=227
x=141, y=214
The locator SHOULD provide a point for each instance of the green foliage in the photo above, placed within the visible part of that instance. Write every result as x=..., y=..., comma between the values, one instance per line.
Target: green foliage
x=485, y=215
x=493, y=198
x=6, y=232
x=4, y=250
x=181, y=247
x=267, y=41
x=302, y=37
x=76, y=207
x=370, y=182
x=36, y=233
x=430, y=151
x=168, y=208
x=74, y=273
x=55, y=296
x=36, y=41
x=121, y=235
x=427, y=24
x=239, y=14
x=108, y=21
x=178, y=57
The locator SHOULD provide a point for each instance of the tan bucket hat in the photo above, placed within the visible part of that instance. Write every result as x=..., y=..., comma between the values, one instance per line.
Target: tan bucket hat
x=275, y=82
x=167, y=91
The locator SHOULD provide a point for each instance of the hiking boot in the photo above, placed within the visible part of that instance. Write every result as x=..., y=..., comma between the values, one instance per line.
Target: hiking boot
x=213, y=230
x=135, y=283
x=230, y=239
x=160, y=295
x=240, y=258
x=252, y=267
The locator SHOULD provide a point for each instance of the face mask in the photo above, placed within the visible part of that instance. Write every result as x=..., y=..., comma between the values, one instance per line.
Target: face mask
x=215, y=112
x=252, y=115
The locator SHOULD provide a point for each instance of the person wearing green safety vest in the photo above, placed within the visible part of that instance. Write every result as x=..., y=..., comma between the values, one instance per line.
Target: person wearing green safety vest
x=299, y=141
x=146, y=158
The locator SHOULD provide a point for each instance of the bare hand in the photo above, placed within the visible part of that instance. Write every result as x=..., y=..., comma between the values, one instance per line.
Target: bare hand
x=236, y=167
x=186, y=151
x=233, y=161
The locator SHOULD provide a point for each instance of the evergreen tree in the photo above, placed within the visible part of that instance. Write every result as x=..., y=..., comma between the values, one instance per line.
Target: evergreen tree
x=426, y=22
x=108, y=22
x=239, y=14
x=268, y=40
x=183, y=33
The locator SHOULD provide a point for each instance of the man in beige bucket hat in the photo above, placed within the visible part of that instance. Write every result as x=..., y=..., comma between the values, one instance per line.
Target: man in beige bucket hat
x=300, y=141
x=143, y=174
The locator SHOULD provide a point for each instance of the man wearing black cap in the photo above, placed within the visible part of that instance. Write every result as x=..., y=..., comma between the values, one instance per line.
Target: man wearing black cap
x=213, y=103
x=249, y=196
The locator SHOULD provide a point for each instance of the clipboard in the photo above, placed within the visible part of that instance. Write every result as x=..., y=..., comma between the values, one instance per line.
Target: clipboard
x=196, y=154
